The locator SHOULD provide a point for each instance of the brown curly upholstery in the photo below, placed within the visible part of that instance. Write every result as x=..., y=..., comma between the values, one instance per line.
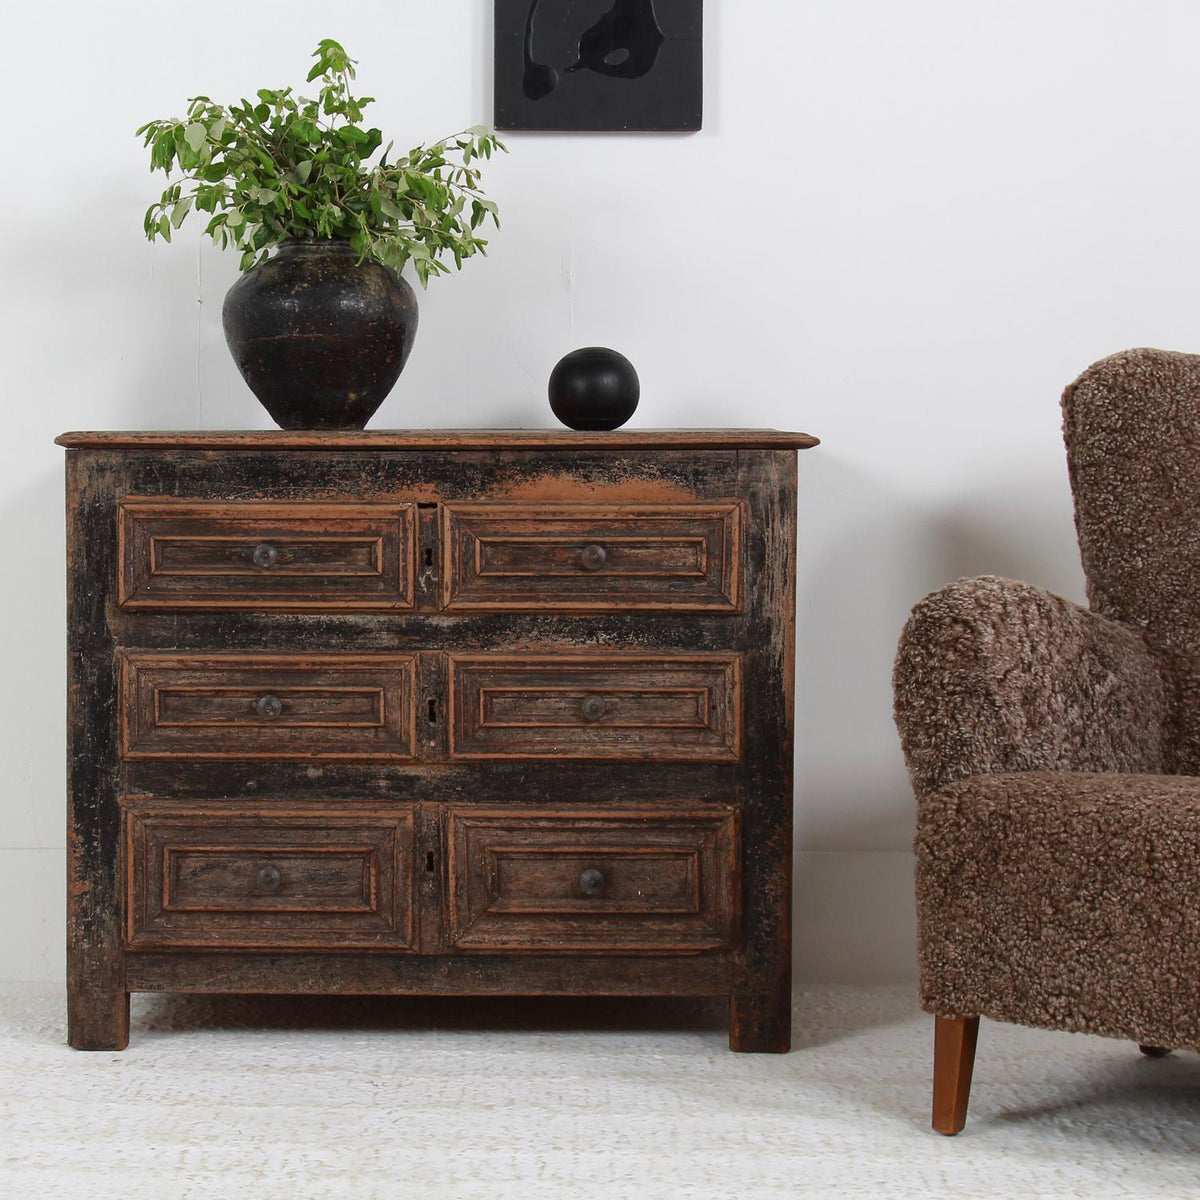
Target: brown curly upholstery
x=1132, y=428
x=1052, y=748
x=1065, y=900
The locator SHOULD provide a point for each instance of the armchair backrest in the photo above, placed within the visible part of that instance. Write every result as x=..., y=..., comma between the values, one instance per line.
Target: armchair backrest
x=1131, y=424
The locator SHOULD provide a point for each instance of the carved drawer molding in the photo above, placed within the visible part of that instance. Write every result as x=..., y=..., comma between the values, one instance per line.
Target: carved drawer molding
x=255, y=554
x=681, y=707
x=279, y=706
x=610, y=879
x=591, y=557
x=272, y=876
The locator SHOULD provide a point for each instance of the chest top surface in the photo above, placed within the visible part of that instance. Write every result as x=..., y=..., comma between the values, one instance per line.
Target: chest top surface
x=440, y=439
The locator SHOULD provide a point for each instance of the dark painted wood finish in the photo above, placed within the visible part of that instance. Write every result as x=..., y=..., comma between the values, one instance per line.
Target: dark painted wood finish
x=430, y=974
x=654, y=708
x=268, y=705
x=609, y=879
x=590, y=558
x=441, y=439
x=258, y=555
x=333, y=791
x=272, y=876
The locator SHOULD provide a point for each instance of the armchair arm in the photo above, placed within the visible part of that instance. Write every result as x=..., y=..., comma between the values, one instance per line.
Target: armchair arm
x=993, y=675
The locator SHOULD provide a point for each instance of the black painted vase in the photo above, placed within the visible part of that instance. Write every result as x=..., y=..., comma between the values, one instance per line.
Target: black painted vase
x=319, y=337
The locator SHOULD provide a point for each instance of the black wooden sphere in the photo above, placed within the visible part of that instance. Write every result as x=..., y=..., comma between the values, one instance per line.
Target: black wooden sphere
x=594, y=388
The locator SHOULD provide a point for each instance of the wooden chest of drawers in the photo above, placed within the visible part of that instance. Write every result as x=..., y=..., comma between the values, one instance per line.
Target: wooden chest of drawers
x=431, y=712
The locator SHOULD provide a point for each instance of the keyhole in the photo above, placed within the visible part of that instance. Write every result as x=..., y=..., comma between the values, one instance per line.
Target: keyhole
x=429, y=556
x=433, y=712
x=429, y=861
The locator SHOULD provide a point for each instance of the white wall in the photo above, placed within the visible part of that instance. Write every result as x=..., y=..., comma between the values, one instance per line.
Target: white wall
x=904, y=228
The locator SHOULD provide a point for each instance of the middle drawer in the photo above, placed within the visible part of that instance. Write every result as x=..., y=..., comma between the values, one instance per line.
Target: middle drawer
x=311, y=705
x=620, y=705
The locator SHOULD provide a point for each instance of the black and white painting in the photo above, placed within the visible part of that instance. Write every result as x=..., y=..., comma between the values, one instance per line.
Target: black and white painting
x=599, y=64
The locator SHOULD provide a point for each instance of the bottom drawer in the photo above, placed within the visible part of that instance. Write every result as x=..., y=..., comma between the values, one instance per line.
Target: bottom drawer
x=314, y=878
x=615, y=879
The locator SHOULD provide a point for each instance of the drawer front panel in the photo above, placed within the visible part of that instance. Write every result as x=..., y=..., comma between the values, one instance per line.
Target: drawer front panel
x=529, y=879
x=323, y=706
x=179, y=554
x=682, y=708
x=591, y=557
x=268, y=879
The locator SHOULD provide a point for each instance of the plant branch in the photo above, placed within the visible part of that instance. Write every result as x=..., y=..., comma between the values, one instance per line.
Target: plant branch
x=288, y=166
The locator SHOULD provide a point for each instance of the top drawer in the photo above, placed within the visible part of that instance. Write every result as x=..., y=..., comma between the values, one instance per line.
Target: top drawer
x=591, y=557
x=179, y=554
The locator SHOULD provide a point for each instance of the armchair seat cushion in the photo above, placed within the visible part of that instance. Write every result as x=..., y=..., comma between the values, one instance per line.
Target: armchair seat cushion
x=1064, y=900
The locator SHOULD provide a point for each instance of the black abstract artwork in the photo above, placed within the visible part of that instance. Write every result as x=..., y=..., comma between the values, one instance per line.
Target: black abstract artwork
x=599, y=64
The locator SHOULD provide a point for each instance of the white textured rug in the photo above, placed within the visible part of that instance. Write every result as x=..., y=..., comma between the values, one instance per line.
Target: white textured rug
x=302, y=1098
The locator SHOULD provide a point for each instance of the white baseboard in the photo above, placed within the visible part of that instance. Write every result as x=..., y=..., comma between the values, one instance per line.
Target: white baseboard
x=853, y=917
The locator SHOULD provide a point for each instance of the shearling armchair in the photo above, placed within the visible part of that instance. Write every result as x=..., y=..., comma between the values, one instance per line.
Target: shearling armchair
x=1054, y=752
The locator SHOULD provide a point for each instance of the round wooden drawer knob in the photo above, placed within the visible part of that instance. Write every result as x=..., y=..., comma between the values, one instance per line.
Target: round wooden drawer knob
x=593, y=707
x=265, y=555
x=592, y=558
x=591, y=882
x=268, y=879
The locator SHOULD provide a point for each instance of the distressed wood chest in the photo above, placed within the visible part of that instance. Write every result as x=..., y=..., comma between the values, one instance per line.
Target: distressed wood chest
x=461, y=712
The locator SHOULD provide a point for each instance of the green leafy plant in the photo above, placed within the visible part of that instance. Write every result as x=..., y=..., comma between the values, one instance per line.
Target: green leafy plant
x=285, y=167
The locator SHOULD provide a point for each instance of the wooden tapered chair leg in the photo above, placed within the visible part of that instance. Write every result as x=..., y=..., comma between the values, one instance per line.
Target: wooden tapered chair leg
x=954, y=1041
x=1155, y=1051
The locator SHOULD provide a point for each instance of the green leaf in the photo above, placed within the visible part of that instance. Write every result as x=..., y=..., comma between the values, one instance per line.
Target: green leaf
x=162, y=154
x=181, y=210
